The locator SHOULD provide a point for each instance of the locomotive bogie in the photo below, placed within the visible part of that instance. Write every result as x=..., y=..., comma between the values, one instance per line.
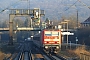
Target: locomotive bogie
x=52, y=49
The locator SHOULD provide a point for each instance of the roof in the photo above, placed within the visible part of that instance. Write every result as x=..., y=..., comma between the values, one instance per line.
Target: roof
x=87, y=21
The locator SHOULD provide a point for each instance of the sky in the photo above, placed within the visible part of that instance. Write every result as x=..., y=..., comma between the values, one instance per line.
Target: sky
x=62, y=5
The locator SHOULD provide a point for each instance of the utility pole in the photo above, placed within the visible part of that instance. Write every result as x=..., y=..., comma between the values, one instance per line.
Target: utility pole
x=77, y=26
x=77, y=18
x=29, y=4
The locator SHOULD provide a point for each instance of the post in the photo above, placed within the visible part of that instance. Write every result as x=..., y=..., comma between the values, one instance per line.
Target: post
x=70, y=45
x=67, y=34
x=32, y=37
x=77, y=18
x=31, y=22
x=66, y=21
x=0, y=37
x=77, y=30
x=76, y=42
x=67, y=31
x=11, y=17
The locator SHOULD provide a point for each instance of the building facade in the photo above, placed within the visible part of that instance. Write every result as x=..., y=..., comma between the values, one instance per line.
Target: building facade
x=86, y=23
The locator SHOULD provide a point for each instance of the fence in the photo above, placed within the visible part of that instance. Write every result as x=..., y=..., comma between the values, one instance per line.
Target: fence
x=84, y=56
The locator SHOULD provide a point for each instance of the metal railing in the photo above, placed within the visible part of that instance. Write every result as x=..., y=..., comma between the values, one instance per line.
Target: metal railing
x=84, y=56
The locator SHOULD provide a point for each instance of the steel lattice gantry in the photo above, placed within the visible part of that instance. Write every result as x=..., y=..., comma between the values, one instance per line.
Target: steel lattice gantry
x=31, y=13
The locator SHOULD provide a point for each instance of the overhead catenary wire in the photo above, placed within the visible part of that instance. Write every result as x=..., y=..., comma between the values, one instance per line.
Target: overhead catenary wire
x=74, y=4
x=84, y=4
x=71, y=5
x=61, y=13
x=11, y=5
x=7, y=7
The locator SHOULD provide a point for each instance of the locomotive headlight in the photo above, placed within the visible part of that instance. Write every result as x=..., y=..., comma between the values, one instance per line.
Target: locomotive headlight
x=45, y=42
x=46, y=47
x=57, y=47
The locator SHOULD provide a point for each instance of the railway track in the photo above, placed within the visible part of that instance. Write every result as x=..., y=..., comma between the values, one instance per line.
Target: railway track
x=22, y=53
x=58, y=57
x=30, y=52
x=53, y=57
x=49, y=56
x=18, y=57
x=15, y=54
x=26, y=52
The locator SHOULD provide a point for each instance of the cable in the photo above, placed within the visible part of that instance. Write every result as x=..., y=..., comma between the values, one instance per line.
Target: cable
x=24, y=0
x=83, y=4
x=8, y=7
x=71, y=5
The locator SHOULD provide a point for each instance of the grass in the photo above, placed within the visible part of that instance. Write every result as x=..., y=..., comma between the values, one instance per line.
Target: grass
x=6, y=50
x=67, y=53
x=74, y=52
x=81, y=49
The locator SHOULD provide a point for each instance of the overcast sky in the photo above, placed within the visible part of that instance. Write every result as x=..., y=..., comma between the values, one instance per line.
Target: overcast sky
x=24, y=3
x=16, y=4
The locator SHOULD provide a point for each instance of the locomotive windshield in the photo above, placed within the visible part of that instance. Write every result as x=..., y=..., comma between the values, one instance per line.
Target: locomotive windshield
x=55, y=33
x=51, y=33
x=48, y=33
